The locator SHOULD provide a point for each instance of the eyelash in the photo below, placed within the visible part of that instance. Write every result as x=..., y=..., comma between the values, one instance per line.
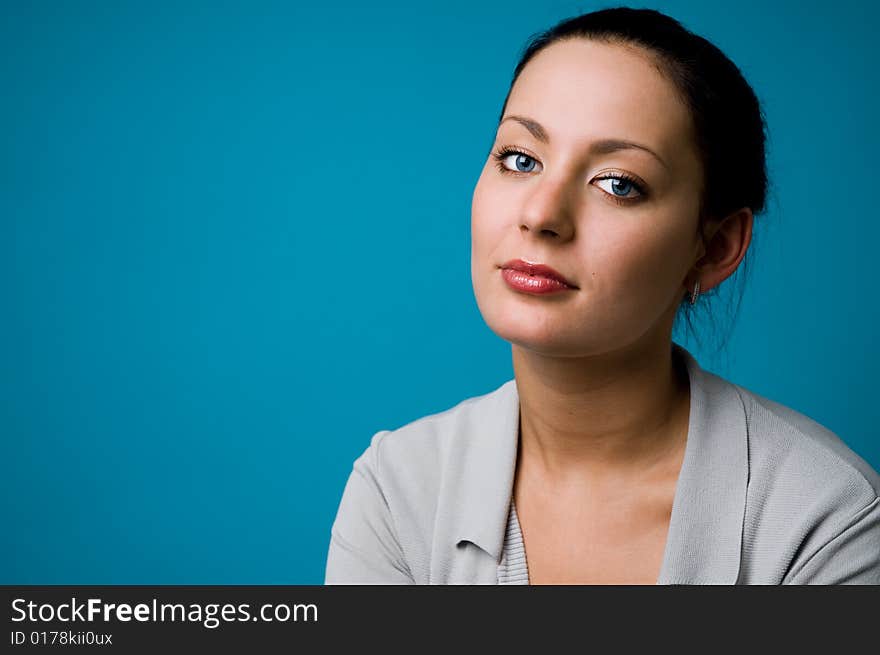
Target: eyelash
x=505, y=151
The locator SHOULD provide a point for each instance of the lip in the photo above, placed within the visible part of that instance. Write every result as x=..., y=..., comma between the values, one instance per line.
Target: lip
x=534, y=278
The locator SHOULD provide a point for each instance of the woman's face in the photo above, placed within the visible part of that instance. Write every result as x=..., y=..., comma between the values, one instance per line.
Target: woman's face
x=626, y=246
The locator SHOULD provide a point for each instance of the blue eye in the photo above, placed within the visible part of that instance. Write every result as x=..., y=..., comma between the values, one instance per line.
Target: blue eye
x=621, y=186
x=522, y=163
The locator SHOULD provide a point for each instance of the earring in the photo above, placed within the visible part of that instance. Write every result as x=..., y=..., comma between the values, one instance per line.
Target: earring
x=696, y=292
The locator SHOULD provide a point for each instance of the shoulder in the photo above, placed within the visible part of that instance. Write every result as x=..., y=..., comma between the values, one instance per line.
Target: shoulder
x=802, y=451
x=399, y=481
x=812, y=507
x=415, y=454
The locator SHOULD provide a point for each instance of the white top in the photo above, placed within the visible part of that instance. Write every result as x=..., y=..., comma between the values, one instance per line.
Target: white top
x=513, y=568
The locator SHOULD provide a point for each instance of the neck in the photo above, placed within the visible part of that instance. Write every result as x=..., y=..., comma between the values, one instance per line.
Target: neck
x=603, y=415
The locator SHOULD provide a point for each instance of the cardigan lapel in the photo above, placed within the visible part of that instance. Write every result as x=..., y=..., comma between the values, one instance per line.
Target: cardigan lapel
x=705, y=532
x=484, y=468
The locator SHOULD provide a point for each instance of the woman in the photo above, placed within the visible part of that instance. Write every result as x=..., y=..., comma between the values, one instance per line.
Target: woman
x=626, y=172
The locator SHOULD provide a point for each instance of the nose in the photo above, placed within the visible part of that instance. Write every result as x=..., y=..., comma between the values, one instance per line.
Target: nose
x=549, y=210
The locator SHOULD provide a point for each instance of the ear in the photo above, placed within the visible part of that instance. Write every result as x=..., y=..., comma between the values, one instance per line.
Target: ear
x=727, y=242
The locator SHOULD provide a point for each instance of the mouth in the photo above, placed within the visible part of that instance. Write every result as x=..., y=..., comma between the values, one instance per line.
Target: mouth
x=540, y=277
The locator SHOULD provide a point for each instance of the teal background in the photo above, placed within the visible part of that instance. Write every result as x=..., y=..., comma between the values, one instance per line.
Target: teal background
x=196, y=197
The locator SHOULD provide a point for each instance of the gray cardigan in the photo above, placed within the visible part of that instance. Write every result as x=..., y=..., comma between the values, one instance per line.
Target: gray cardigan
x=765, y=495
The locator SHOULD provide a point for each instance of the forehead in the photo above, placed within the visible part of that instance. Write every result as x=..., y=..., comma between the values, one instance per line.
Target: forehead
x=581, y=90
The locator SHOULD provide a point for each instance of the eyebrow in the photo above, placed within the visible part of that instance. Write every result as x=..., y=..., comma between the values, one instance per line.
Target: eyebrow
x=601, y=147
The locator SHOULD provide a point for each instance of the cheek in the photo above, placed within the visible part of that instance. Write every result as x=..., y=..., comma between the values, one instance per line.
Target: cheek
x=491, y=212
x=479, y=206
x=650, y=262
x=488, y=212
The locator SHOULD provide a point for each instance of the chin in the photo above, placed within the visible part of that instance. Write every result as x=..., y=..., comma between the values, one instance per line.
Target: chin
x=560, y=336
x=544, y=341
